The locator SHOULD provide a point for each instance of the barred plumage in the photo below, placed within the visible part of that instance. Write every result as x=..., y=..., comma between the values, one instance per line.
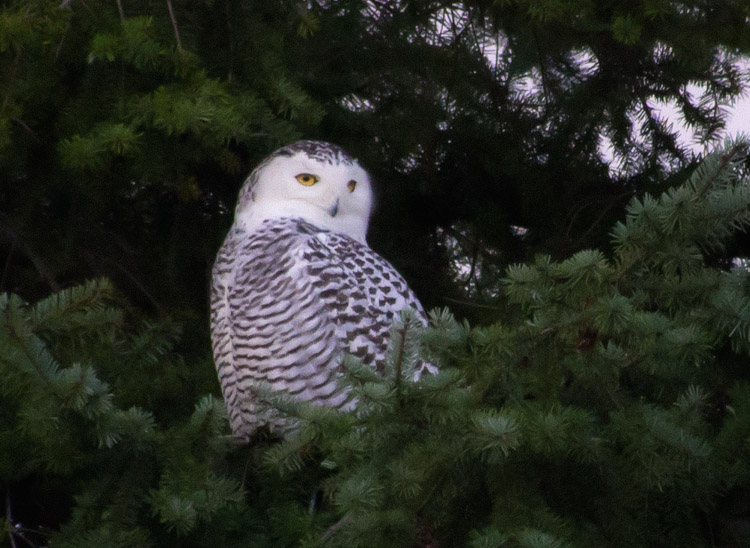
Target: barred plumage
x=295, y=286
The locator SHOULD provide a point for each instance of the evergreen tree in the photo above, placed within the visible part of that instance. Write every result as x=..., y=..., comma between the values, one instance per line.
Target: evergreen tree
x=131, y=121
x=598, y=397
x=610, y=407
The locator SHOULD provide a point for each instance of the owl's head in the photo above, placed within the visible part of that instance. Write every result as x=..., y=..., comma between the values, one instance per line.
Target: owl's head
x=314, y=180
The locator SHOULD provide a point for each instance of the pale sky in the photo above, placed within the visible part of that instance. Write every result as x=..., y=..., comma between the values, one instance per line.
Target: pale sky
x=737, y=121
x=740, y=119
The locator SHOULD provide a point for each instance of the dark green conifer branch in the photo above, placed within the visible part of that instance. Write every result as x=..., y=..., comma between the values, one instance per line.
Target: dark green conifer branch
x=600, y=398
x=589, y=420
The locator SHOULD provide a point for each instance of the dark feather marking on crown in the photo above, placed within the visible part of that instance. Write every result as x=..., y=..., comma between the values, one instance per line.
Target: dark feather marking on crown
x=317, y=150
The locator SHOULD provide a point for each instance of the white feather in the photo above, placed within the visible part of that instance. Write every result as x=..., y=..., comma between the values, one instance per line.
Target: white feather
x=277, y=194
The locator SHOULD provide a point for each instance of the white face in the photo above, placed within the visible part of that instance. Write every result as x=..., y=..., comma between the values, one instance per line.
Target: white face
x=335, y=196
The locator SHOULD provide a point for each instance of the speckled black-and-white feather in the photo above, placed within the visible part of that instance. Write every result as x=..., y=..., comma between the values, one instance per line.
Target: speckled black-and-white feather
x=295, y=287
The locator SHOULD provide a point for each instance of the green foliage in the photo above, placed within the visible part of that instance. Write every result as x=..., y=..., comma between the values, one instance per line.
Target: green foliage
x=601, y=397
x=133, y=121
x=604, y=413
x=626, y=30
x=611, y=408
x=71, y=434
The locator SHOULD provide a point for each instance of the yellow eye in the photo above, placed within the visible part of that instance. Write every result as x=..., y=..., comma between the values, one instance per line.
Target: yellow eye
x=351, y=185
x=307, y=179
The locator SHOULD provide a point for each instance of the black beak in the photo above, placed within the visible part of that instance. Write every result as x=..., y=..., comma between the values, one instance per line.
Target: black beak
x=334, y=209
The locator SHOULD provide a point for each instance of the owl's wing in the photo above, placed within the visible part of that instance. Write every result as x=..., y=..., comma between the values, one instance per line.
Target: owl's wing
x=287, y=304
x=269, y=327
x=362, y=292
x=223, y=327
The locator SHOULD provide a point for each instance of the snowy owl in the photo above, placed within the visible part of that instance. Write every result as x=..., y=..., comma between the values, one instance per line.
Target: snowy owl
x=295, y=285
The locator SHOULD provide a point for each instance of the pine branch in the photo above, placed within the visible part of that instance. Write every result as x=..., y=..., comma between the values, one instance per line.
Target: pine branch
x=4, y=276
x=11, y=235
x=11, y=81
x=333, y=529
x=472, y=304
x=24, y=126
x=9, y=519
x=230, y=39
x=399, y=353
x=174, y=25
